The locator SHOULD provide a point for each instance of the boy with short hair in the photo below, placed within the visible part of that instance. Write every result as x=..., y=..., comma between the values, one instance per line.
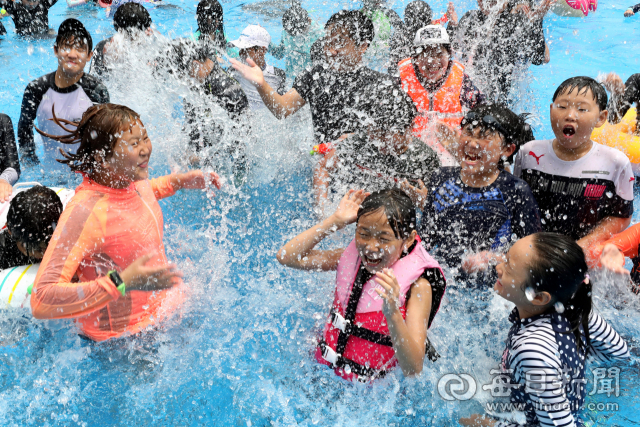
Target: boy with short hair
x=68, y=88
x=253, y=43
x=330, y=88
x=583, y=189
x=31, y=220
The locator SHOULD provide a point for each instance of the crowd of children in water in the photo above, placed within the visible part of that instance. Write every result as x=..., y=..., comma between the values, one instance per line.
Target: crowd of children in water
x=438, y=169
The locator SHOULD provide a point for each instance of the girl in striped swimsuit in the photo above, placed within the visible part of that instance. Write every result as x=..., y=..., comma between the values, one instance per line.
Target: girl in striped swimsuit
x=554, y=330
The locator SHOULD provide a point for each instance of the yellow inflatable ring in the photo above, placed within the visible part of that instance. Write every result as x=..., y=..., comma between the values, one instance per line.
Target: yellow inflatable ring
x=621, y=136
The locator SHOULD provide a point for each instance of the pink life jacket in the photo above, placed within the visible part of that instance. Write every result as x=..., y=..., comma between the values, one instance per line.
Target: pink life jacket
x=356, y=341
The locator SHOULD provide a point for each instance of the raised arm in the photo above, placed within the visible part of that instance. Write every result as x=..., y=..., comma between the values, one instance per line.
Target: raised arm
x=281, y=106
x=299, y=253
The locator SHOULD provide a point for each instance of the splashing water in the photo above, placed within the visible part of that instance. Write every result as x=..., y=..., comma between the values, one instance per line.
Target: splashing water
x=240, y=352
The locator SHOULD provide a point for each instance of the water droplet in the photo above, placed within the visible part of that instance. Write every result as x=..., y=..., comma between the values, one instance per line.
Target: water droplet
x=609, y=194
x=559, y=307
x=530, y=293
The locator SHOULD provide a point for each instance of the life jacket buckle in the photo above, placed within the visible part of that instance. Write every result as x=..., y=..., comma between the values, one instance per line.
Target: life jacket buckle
x=339, y=322
x=330, y=355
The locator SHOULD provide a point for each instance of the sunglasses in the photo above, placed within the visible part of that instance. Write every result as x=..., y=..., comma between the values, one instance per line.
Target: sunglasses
x=474, y=119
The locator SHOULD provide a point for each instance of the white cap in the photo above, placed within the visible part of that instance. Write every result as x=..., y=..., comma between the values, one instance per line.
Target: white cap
x=253, y=35
x=431, y=34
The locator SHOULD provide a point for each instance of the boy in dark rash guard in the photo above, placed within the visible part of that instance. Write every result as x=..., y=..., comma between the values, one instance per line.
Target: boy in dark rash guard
x=29, y=17
x=68, y=88
x=9, y=164
x=472, y=213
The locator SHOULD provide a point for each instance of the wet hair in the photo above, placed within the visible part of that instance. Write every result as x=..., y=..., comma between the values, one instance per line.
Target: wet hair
x=73, y=30
x=558, y=266
x=211, y=10
x=417, y=14
x=33, y=216
x=516, y=130
x=295, y=20
x=583, y=84
x=97, y=132
x=355, y=23
x=131, y=16
x=387, y=108
x=398, y=208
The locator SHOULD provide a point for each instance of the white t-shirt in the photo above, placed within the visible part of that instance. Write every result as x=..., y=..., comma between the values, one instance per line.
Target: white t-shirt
x=573, y=196
x=274, y=77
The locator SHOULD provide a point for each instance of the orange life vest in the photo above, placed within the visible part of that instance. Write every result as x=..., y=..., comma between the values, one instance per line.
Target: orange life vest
x=445, y=103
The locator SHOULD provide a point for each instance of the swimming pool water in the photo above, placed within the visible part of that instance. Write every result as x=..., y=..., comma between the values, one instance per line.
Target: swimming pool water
x=240, y=352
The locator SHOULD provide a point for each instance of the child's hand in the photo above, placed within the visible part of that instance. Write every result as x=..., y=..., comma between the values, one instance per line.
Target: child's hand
x=479, y=261
x=196, y=180
x=477, y=420
x=613, y=83
x=418, y=194
x=139, y=277
x=451, y=14
x=613, y=259
x=5, y=191
x=347, y=211
x=251, y=72
x=628, y=13
x=391, y=294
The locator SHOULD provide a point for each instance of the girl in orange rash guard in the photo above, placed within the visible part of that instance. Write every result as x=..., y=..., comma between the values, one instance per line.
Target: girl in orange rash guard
x=105, y=265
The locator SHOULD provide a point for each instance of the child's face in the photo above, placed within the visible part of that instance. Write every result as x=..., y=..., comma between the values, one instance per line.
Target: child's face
x=574, y=116
x=377, y=245
x=514, y=272
x=72, y=57
x=130, y=160
x=256, y=53
x=433, y=62
x=479, y=151
x=342, y=53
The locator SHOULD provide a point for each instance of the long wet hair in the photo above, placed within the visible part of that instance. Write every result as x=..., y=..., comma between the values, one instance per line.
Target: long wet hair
x=97, y=132
x=558, y=267
x=212, y=9
x=398, y=208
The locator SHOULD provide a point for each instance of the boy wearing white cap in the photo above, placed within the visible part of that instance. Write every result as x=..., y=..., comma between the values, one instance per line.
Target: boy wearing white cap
x=253, y=43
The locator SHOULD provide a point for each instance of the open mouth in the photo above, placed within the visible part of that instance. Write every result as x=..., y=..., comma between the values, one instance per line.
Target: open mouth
x=143, y=165
x=471, y=158
x=371, y=261
x=568, y=131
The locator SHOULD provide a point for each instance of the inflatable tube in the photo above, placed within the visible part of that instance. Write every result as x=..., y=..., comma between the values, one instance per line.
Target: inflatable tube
x=621, y=136
x=64, y=194
x=574, y=8
x=15, y=286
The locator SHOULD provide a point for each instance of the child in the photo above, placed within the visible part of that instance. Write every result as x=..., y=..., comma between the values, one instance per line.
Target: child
x=473, y=212
x=31, y=220
x=438, y=85
x=131, y=20
x=388, y=288
x=554, y=330
x=210, y=34
x=329, y=88
x=68, y=88
x=31, y=17
x=253, y=44
x=106, y=265
x=384, y=155
x=9, y=164
x=583, y=189
x=298, y=35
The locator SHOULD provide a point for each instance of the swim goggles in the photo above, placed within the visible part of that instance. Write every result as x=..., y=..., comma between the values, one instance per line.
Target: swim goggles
x=488, y=120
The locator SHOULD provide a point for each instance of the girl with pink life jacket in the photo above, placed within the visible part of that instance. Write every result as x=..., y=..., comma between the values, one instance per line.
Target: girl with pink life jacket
x=388, y=288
